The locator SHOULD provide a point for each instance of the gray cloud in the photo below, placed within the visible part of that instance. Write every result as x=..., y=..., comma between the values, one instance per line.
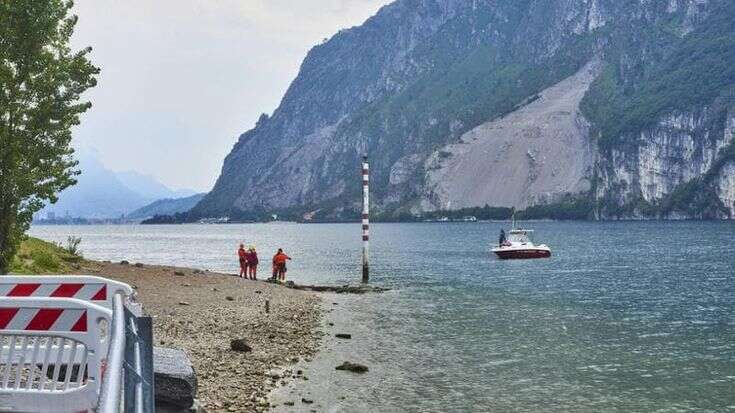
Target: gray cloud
x=181, y=79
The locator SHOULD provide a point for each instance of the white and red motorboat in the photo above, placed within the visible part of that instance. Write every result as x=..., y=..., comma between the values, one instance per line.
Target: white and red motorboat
x=518, y=245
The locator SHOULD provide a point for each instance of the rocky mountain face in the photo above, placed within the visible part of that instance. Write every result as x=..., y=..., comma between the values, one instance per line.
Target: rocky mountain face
x=622, y=107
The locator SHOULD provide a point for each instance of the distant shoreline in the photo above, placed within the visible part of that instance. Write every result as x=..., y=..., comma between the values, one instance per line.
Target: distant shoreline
x=43, y=224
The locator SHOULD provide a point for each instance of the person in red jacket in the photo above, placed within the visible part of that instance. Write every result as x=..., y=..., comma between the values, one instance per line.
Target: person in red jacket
x=252, y=263
x=243, y=256
x=279, y=264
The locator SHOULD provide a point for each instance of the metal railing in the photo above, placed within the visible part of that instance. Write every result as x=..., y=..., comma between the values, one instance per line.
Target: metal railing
x=112, y=384
x=62, y=354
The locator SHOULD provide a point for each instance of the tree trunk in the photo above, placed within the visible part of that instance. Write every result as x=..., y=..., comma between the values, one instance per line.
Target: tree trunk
x=8, y=241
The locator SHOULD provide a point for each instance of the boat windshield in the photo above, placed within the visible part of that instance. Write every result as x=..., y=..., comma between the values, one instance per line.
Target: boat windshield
x=519, y=236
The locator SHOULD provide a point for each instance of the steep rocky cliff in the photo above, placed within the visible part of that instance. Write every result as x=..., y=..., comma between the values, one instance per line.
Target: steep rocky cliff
x=460, y=103
x=663, y=112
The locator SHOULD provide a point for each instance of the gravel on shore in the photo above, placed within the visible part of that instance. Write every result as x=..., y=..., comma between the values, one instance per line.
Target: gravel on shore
x=201, y=312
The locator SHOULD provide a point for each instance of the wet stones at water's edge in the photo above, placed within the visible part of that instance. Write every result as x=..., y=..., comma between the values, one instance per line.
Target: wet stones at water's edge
x=353, y=367
x=342, y=289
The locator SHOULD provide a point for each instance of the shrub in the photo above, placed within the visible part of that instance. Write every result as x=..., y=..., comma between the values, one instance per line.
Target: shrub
x=72, y=245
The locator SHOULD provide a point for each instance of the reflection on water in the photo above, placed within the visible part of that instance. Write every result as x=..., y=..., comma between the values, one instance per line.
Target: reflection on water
x=624, y=316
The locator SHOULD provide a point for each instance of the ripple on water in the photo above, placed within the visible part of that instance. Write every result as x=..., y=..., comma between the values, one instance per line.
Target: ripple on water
x=624, y=317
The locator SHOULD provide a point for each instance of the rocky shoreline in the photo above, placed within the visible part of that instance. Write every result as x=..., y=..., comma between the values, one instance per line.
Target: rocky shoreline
x=204, y=313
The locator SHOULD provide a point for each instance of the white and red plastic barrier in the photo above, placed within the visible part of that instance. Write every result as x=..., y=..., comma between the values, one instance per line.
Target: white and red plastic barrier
x=97, y=290
x=57, y=321
x=53, y=354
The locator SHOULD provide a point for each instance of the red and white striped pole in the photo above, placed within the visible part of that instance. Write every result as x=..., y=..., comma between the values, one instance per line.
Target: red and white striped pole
x=365, y=219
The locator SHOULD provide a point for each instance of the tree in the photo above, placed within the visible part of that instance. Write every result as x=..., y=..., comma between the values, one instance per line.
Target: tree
x=41, y=82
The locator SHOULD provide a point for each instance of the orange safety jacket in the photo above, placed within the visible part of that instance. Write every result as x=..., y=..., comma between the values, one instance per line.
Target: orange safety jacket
x=280, y=258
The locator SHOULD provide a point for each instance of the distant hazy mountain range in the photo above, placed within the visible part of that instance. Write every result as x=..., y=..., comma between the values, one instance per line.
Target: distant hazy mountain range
x=101, y=193
x=168, y=206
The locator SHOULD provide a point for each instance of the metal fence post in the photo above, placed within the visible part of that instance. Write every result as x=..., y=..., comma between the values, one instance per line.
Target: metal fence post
x=145, y=333
x=139, y=397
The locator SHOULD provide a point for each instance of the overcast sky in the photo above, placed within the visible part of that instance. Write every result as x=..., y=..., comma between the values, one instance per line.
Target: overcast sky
x=181, y=79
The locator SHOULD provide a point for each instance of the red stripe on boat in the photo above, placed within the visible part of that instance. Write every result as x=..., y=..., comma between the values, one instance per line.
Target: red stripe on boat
x=520, y=254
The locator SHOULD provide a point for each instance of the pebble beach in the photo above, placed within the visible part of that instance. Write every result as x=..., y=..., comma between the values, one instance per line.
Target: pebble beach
x=201, y=313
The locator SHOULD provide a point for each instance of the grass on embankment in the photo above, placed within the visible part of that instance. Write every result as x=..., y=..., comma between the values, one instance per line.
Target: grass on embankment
x=40, y=257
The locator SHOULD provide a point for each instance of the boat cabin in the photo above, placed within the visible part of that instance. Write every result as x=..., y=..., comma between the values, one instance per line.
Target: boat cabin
x=520, y=236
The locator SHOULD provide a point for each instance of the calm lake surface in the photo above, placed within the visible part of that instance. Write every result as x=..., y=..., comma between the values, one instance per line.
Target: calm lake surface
x=625, y=316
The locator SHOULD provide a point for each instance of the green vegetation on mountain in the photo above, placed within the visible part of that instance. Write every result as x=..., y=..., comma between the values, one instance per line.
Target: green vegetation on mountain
x=665, y=73
x=653, y=71
x=481, y=213
x=572, y=207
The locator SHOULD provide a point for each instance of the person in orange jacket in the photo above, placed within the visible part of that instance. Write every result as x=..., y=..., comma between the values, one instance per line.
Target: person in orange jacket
x=279, y=265
x=243, y=257
x=252, y=263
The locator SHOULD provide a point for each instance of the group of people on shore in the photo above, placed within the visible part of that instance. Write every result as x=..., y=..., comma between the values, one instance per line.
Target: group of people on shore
x=249, y=263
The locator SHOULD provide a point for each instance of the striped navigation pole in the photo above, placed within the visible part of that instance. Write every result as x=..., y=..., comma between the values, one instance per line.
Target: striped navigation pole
x=365, y=219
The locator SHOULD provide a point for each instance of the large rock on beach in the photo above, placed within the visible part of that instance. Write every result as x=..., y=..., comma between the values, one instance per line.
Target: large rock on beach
x=175, y=380
x=240, y=345
x=353, y=367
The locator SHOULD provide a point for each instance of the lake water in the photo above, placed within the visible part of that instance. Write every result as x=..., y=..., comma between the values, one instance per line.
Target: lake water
x=625, y=316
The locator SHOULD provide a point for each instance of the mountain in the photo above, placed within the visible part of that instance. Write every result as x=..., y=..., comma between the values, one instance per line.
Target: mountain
x=169, y=206
x=149, y=187
x=575, y=108
x=99, y=193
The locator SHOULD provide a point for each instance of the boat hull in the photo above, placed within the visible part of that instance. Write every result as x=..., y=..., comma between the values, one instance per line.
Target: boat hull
x=522, y=254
